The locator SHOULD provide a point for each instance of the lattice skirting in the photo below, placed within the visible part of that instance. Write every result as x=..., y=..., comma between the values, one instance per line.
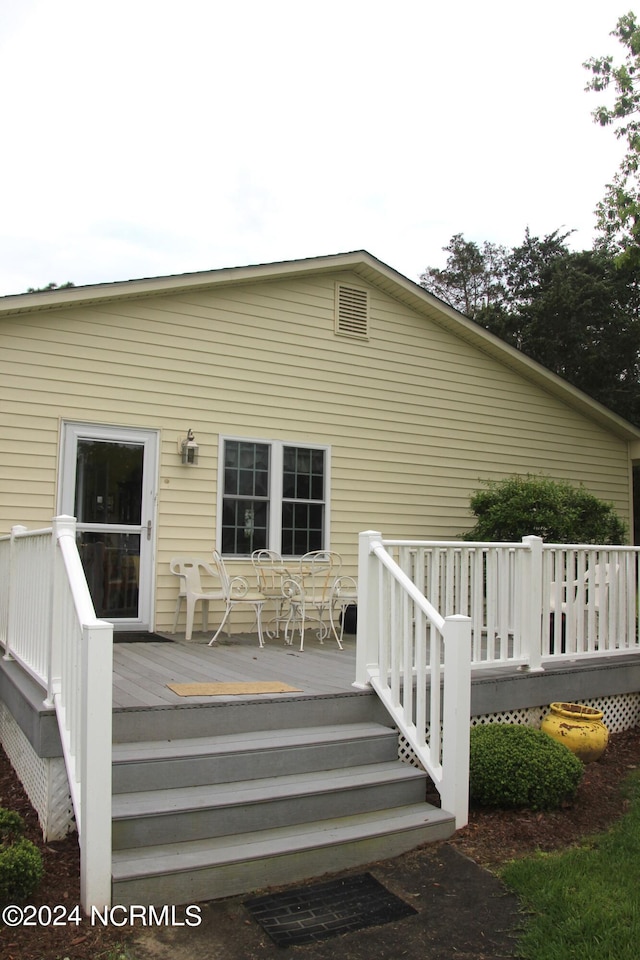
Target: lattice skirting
x=620, y=712
x=44, y=779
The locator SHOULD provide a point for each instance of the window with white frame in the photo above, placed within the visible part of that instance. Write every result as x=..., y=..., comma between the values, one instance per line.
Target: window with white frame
x=273, y=496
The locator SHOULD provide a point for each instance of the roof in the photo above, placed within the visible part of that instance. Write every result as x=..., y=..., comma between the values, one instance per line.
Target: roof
x=369, y=270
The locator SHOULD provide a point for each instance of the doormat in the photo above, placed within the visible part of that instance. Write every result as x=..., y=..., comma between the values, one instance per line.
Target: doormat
x=309, y=914
x=142, y=637
x=229, y=689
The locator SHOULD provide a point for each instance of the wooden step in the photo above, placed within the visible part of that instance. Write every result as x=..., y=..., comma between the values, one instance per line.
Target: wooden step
x=161, y=764
x=244, y=714
x=238, y=801
x=191, y=871
x=190, y=813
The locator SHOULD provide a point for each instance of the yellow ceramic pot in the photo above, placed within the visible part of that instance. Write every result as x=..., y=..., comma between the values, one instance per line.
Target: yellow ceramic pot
x=579, y=727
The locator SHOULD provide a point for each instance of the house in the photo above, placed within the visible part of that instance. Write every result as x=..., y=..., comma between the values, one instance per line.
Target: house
x=324, y=396
x=289, y=406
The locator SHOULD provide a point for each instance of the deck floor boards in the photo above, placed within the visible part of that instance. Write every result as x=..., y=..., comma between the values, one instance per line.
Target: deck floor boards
x=141, y=671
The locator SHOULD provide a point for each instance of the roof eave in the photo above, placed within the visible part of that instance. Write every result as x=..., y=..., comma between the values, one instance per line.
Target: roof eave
x=370, y=270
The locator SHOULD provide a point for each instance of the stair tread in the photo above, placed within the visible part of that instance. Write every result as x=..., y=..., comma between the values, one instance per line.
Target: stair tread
x=176, y=799
x=199, y=854
x=140, y=751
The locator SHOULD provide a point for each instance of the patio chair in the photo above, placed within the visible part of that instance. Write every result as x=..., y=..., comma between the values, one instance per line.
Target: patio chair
x=270, y=574
x=235, y=591
x=591, y=593
x=190, y=571
x=309, y=593
x=344, y=594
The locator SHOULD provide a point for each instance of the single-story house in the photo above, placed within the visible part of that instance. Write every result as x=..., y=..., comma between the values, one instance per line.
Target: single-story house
x=286, y=405
x=292, y=406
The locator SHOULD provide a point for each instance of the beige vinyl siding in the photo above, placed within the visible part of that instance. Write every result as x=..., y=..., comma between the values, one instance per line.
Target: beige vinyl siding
x=415, y=417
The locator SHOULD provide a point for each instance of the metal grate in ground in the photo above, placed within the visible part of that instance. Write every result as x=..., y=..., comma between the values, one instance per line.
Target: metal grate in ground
x=316, y=912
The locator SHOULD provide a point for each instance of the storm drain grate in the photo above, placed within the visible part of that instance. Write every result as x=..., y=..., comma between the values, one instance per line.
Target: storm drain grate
x=311, y=913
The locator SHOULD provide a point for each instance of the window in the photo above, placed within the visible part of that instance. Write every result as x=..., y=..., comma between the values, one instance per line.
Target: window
x=274, y=496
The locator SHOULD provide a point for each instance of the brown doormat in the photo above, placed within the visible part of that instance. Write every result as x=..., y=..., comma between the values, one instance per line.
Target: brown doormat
x=230, y=689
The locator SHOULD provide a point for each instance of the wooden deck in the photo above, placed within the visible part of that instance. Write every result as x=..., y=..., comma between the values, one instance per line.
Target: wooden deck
x=141, y=671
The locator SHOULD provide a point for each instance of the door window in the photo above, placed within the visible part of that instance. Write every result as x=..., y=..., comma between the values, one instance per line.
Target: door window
x=107, y=484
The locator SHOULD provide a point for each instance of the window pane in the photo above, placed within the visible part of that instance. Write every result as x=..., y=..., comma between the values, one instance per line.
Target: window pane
x=109, y=482
x=244, y=526
x=302, y=525
x=111, y=564
x=303, y=474
x=246, y=469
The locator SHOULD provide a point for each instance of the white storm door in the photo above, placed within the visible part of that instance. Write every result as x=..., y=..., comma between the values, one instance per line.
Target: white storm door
x=108, y=482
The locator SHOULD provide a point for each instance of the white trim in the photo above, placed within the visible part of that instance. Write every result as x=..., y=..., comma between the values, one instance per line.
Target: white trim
x=276, y=448
x=71, y=432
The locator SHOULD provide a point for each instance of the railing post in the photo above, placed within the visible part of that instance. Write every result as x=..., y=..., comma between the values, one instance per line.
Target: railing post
x=368, y=615
x=531, y=602
x=60, y=526
x=12, y=611
x=456, y=718
x=95, y=766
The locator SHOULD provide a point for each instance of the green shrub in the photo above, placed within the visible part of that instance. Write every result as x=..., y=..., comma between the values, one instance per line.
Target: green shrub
x=11, y=825
x=20, y=860
x=519, y=506
x=516, y=766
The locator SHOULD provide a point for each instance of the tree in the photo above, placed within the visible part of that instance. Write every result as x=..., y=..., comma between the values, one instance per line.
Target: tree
x=619, y=212
x=577, y=313
x=581, y=320
x=518, y=506
x=51, y=286
x=472, y=278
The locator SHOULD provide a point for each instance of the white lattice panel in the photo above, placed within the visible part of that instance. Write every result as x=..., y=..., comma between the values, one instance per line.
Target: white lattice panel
x=44, y=779
x=620, y=712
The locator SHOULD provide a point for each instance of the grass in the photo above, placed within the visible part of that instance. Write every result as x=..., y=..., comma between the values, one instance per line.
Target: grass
x=584, y=903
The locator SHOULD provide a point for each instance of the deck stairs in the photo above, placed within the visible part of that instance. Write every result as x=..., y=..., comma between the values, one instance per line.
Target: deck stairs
x=221, y=799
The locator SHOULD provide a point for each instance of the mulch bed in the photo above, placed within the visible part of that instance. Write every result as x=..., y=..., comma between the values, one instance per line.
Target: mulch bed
x=494, y=836
x=490, y=838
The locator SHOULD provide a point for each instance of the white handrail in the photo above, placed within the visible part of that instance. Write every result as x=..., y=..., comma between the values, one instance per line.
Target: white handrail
x=81, y=671
x=525, y=604
x=407, y=585
x=48, y=624
x=418, y=662
x=530, y=602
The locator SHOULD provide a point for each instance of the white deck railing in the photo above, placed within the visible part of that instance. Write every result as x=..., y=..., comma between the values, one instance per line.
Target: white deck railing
x=400, y=635
x=48, y=624
x=527, y=604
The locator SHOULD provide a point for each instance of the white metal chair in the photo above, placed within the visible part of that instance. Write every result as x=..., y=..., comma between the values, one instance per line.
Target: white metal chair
x=344, y=593
x=237, y=590
x=270, y=574
x=190, y=571
x=309, y=593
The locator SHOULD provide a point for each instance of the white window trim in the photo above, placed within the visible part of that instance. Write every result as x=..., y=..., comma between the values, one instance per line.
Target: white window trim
x=276, y=460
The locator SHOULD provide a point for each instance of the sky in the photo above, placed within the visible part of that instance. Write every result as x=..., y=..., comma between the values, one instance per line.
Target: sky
x=144, y=138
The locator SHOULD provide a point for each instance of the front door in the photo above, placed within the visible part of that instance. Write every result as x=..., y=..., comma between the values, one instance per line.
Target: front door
x=108, y=483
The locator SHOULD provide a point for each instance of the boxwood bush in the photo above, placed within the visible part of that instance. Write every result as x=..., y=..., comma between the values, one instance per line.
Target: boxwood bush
x=517, y=766
x=518, y=506
x=20, y=860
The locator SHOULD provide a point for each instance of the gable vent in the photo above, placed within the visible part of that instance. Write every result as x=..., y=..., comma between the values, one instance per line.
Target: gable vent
x=352, y=311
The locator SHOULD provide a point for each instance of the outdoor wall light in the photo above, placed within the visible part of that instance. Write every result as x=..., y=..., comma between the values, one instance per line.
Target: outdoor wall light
x=188, y=448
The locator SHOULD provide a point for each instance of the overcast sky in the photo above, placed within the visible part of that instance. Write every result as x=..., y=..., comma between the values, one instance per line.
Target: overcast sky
x=152, y=137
